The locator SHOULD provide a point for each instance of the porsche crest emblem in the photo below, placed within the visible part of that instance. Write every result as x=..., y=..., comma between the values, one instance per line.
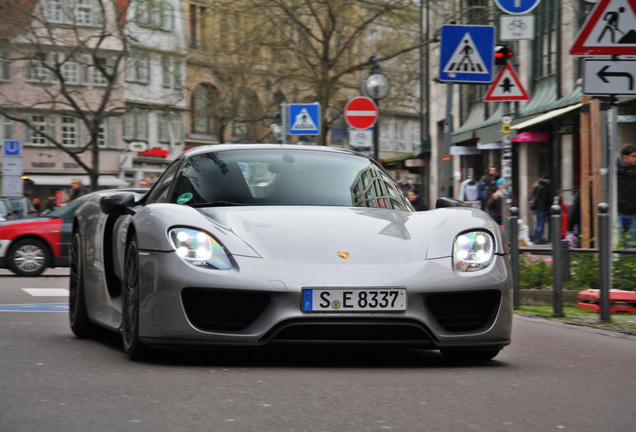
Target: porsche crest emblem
x=343, y=255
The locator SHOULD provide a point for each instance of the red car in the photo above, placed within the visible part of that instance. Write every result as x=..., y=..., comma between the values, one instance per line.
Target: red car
x=29, y=246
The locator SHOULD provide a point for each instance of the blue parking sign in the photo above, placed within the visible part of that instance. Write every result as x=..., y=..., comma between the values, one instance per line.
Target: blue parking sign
x=467, y=54
x=12, y=148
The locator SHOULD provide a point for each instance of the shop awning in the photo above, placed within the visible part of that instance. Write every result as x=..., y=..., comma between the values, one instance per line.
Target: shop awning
x=397, y=161
x=546, y=116
x=65, y=180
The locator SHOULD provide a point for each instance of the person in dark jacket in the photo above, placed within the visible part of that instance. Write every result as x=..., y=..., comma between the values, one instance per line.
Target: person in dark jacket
x=414, y=196
x=77, y=189
x=541, y=203
x=626, y=182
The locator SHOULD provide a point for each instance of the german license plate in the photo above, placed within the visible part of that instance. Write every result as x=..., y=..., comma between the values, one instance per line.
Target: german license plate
x=353, y=300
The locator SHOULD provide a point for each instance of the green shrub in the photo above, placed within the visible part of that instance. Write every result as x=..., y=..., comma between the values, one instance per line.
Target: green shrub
x=536, y=272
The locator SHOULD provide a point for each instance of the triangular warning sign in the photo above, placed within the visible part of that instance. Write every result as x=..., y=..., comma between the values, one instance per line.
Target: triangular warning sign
x=610, y=29
x=466, y=58
x=506, y=87
x=303, y=121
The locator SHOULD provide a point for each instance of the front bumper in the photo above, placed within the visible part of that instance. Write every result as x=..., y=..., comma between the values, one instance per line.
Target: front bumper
x=259, y=302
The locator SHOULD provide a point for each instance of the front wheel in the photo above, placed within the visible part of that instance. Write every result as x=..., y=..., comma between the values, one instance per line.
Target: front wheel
x=28, y=257
x=130, y=308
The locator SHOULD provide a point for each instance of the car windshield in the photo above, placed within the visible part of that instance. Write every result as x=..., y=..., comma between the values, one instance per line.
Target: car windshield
x=286, y=177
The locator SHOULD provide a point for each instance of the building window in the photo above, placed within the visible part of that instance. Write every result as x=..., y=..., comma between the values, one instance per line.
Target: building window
x=6, y=128
x=75, y=70
x=138, y=68
x=39, y=68
x=5, y=66
x=100, y=79
x=74, y=12
x=545, y=42
x=102, y=142
x=165, y=71
x=178, y=75
x=197, y=26
x=156, y=14
x=136, y=125
x=170, y=127
x=203, y=115
x=70, y=131
x=41, y=124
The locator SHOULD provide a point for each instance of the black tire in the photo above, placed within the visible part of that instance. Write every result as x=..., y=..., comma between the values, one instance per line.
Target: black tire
x=469, y=355
x=28, y=257
x=81, y=326
x=130, y=305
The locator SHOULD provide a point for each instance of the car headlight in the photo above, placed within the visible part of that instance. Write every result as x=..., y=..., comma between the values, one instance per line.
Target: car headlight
x=473, y=251
x=199, y=249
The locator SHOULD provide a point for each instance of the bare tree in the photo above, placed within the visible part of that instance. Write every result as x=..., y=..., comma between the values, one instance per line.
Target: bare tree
x=64, y=59
x=317, y=51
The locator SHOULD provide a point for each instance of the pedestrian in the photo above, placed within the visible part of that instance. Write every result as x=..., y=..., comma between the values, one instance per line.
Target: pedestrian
x=487, y=186
x=414, y=196
x=143, y=183
x=495, y=202
x=541, y=201
x=37, y=206
x=77, y=189
x=626, y=182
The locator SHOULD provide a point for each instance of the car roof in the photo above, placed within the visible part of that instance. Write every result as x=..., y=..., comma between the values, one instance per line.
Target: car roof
x=229, y=147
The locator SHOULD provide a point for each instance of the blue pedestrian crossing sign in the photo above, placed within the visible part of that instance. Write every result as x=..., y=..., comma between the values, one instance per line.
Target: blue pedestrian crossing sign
x=304, y=119
x=467, y=54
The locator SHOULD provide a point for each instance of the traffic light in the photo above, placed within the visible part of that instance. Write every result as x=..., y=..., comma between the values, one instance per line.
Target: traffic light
x=502, y=54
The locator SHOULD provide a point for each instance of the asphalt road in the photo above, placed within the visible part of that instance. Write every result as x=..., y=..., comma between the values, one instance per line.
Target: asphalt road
x=554, y=376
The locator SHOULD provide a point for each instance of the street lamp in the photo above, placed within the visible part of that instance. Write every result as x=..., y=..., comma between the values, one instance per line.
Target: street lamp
x=376, y=86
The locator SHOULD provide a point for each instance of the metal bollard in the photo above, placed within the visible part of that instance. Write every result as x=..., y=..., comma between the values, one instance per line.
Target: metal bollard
x=565, y=255
x=604, y=259
x=557, y=261
x=514, y=255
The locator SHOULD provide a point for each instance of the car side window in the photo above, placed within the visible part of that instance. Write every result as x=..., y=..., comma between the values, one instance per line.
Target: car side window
x=159, y=194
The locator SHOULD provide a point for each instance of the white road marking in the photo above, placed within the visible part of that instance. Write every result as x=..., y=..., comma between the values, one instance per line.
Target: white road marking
x=46, y=292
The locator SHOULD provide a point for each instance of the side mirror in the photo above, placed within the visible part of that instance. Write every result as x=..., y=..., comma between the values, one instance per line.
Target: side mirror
x=118, y=204
x=443, y=202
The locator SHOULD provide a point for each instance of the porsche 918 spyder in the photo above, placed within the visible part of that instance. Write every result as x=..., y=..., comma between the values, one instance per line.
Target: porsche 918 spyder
x=251, y=245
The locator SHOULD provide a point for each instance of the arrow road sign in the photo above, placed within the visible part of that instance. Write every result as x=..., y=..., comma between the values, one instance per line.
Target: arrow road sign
x=467, y=54
x=516, y=7
x=609, y=77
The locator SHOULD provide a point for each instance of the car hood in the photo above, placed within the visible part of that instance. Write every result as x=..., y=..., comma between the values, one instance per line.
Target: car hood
x=318, y=234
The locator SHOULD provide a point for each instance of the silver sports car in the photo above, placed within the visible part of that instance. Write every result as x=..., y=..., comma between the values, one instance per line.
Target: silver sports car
x=250, y=245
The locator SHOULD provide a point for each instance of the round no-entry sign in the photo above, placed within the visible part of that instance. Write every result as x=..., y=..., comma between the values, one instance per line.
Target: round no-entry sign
x=361, y=112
